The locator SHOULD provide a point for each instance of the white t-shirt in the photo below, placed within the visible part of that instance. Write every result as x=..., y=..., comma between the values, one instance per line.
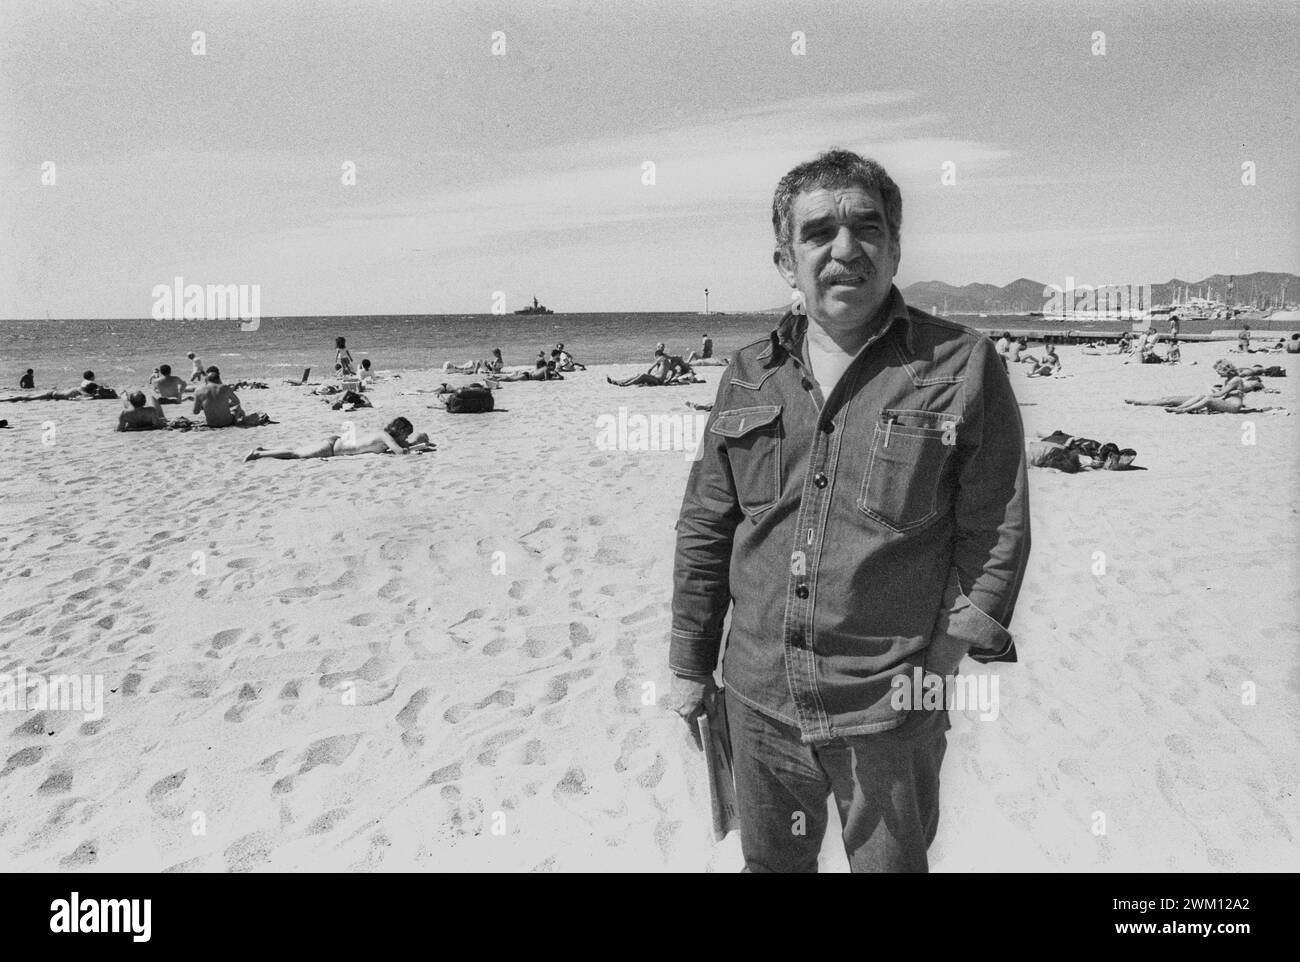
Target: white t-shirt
x=829, y=366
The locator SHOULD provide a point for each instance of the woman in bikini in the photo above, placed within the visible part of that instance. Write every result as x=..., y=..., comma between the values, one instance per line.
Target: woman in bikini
x=1227, y=399
x=492, y=365
x=394, y=439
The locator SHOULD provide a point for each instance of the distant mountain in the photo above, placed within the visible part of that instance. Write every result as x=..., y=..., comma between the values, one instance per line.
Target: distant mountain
x=1023, y=295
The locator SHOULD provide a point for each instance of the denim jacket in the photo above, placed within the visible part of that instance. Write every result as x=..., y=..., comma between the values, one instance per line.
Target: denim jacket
x=854, y=537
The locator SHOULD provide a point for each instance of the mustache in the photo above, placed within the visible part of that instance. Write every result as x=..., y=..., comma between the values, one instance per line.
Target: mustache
x=866, y=271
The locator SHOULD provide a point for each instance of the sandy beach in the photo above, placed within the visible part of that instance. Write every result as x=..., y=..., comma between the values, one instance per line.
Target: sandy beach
x=451, y=661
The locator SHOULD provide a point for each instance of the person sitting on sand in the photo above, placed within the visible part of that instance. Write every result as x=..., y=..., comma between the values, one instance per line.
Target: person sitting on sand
x=656, y=376
x=1014, y=350
x=565, y=361
x=220, y=405
x=1226, y=399
x=28, y=381
x=679, y=372
x=139, y=414
x=343, y=365
x=710, y=361
x=396, y=438
x=1293, y=345
x=1004, y=347
x=1174, y=354
x=1243, y=339
x=1049, y=365
x=167, y=387
x=199, y=372
x=1144, y=349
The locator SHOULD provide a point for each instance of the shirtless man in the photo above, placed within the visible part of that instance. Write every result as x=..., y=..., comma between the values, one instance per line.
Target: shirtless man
x=137, y=415
x=657, y=374
x=544, y=371
x=169, y=388
x=220, y=405
x=394, y=439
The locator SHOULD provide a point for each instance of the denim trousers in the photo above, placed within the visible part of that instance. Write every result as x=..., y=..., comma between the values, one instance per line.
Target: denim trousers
x=886, y=789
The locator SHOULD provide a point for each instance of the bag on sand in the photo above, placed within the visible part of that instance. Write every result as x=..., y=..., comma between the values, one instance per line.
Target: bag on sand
x=474, y=399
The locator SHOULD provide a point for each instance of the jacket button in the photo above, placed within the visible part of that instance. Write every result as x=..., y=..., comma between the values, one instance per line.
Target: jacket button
x=828, y=426
x=819, y=479
x=796, y=640
x=801, y=591
x=806, y=384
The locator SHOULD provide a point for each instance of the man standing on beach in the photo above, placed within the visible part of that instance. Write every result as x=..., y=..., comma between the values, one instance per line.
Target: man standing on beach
x=861, y=507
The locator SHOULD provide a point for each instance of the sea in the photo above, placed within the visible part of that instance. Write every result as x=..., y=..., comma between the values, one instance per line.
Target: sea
x=123, y=352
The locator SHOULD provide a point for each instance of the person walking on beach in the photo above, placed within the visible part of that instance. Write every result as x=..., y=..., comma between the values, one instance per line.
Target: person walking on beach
x=860, y=508
x=197, y=372
x=343, y=365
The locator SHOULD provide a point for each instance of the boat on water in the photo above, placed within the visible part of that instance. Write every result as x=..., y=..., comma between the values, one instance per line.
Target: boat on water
x=535, y=309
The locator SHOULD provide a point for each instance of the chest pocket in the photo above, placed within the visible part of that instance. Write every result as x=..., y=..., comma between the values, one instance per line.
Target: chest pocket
x=753, y=439
x=903, y=487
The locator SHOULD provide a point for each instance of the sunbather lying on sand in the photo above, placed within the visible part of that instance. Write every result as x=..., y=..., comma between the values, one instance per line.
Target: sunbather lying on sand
x=1227, y=399
x=548, y=373
x=1071, y=454
x=90, y=391
x=394, y=439
x=492, y=365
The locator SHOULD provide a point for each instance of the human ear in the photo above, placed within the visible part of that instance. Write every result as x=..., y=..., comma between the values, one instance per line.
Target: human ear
x=781, y=258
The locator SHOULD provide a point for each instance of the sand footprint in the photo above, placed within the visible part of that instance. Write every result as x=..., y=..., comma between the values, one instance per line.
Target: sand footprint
x=458, y=713
x=409, y=719
x=157, y=794
x=492, y=747
x=243, y=702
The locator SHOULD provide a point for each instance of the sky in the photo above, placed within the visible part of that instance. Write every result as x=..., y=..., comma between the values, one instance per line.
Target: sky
x=484, y=178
